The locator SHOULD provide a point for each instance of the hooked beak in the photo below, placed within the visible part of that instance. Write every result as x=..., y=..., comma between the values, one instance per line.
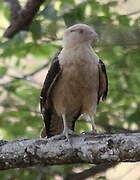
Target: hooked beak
x=94, y=36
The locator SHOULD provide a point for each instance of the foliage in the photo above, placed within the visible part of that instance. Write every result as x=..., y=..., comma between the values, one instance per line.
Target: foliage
x=119, y=47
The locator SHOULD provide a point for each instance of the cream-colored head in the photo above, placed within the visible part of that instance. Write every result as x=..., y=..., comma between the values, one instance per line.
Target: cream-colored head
x=79, y=34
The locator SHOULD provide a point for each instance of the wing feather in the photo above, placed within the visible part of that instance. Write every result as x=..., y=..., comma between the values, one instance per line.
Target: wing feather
x=103, y=82
x=45, y=96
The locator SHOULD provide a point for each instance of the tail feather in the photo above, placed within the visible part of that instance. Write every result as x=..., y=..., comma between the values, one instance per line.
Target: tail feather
x=54, y=124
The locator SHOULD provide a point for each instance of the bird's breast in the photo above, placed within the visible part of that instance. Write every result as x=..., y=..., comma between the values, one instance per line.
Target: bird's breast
x=76, y=87
x=81, y=74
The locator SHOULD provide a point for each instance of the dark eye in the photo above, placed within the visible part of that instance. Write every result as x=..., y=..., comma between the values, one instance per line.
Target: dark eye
x=81, y=31
x=72, y=30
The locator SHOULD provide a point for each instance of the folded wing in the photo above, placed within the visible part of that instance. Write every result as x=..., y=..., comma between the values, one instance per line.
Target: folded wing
x=46, y=105
x=103, y=82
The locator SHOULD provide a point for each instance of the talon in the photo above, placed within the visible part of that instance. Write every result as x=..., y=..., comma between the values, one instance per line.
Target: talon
x=90, y=132
x=66, y=133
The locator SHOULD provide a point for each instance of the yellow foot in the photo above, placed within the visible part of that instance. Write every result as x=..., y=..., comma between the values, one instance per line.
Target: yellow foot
x=93, y=132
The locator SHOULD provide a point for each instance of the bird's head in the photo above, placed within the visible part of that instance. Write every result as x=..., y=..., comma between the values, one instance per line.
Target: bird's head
x=79, y=34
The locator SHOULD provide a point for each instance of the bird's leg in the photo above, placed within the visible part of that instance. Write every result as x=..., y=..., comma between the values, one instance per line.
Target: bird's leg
x=66, y=130
x=91, y=119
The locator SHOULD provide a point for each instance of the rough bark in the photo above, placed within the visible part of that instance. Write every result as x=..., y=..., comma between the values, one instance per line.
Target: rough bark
x=94, y=149
x=14, y=9
x=24, y=17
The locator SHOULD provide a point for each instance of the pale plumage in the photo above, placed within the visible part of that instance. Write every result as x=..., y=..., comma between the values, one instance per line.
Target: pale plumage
x=75, y=84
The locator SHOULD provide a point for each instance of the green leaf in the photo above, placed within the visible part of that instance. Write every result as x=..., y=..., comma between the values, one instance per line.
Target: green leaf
x=101, y=178
x=134, y=117
x=76, y=15
x=65, y=4
x=124, y=20
x=49, y=13
x=42, y=51
x=3, y=71
x=36, y=29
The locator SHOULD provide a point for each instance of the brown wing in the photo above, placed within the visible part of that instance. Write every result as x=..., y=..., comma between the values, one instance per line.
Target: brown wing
x=45, y=96
x=103, y=82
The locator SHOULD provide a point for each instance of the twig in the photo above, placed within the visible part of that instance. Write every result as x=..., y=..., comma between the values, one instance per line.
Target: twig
x=14, y=9
x=116, y=129
x=24, y=19
x=133, y=13
x=90, y=172
x=25, y=77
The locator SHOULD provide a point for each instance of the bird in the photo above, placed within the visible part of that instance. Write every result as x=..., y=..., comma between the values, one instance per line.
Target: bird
x=75, y=83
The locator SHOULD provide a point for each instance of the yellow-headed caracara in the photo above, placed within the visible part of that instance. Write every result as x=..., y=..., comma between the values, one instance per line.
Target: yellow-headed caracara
x=75, y=83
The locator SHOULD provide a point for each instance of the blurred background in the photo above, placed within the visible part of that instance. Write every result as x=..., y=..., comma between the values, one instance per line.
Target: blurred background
x=24, y=61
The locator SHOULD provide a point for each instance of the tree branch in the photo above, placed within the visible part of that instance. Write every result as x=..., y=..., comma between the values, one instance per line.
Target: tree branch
x=24, y=18
x=100, y=168
x=94, y=149
x=116, y=129
x=133, y=13
x=26, y=76
x=14, y=9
